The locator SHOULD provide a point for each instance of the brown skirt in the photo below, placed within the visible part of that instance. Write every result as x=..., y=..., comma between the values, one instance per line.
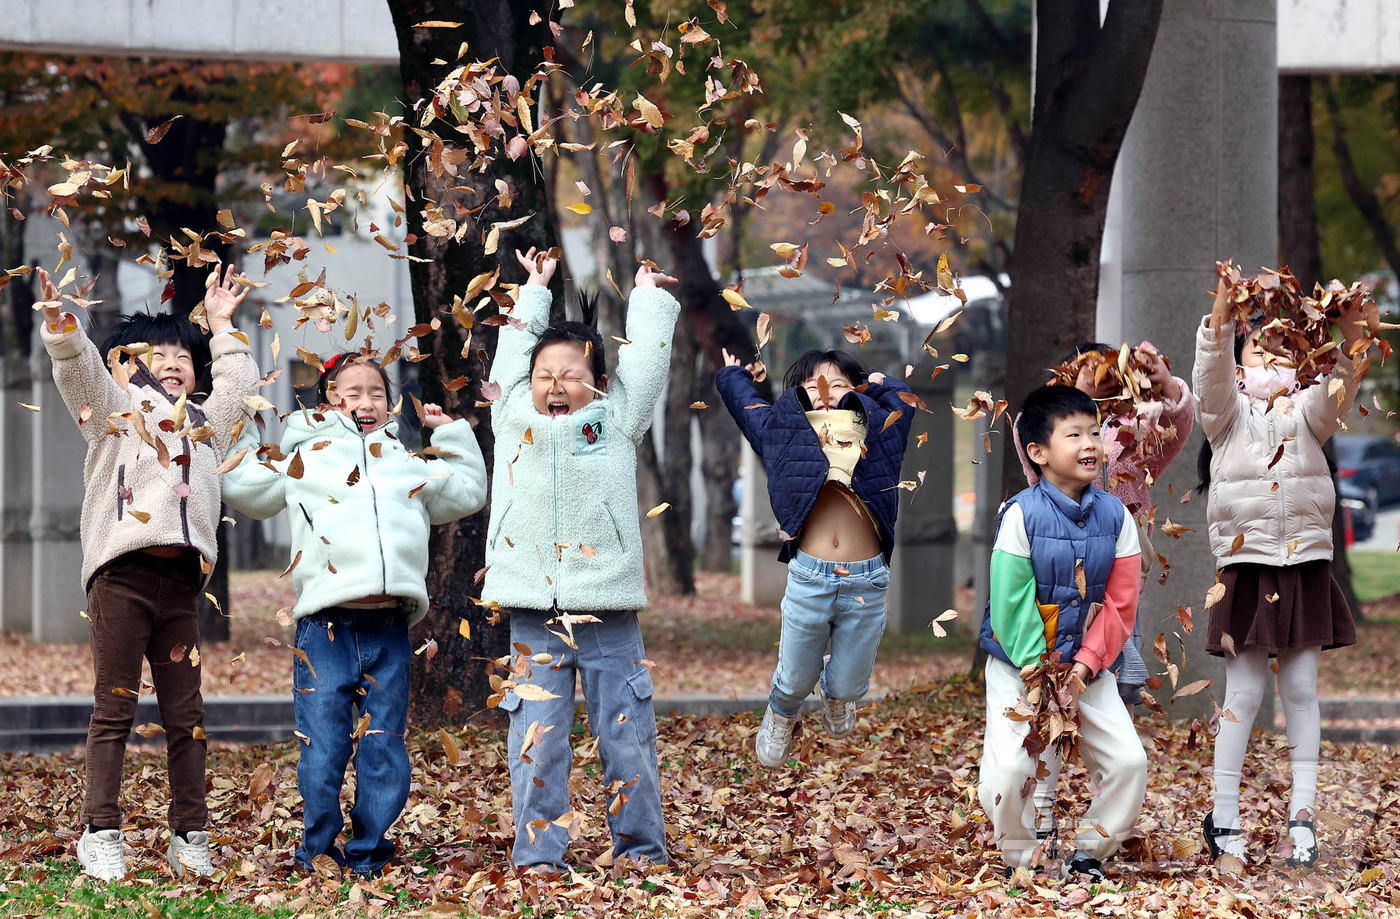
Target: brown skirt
x=1309, y=610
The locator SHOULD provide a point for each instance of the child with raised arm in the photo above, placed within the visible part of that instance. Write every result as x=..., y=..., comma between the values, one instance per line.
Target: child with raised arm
x=832, y=445
x=564, y=558
x=1065, y=579
x=150, y=513
x=1268, y=482
x=361, y=508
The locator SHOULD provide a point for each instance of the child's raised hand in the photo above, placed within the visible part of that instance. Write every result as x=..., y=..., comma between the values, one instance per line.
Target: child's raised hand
x=434, y=416
x=1358, y=321
x=1221, y=308
x=221, y=298
x=48, y=296
x=729, y=359
x=1159, y=373
x=648, y=276
x=538, y=264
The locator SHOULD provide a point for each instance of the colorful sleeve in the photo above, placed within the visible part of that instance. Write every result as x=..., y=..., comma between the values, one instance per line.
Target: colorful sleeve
x=1109, y=630
x=1016, y=618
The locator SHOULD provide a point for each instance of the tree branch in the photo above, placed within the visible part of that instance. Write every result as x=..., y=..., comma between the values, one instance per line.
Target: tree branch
x=1361, y=194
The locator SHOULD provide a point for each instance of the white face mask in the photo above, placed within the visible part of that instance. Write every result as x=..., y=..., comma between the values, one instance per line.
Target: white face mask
x=1262, y=382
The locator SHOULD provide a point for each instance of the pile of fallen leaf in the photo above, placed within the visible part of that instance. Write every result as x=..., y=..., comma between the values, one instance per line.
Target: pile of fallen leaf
x=1050, y=705
x=883, y=821
x=1120, y=371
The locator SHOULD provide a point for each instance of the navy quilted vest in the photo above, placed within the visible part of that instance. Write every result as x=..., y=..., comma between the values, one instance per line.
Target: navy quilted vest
x=793, y=459
x=1061, y=533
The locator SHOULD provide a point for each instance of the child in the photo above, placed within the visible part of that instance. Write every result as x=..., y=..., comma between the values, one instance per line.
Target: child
x=832, y=445
x=150, y=513
x=1268, y=482
x=564, y=558
x=1047, y=534
x=1137, y=450
x=362, y=507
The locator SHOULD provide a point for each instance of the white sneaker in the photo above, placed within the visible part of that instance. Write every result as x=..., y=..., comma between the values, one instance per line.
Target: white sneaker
x=774, y=740
x=191, y=854
x=101, y=855
x=838, y=717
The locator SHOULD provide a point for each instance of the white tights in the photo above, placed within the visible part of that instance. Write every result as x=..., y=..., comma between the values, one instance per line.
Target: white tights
x=1246, y=678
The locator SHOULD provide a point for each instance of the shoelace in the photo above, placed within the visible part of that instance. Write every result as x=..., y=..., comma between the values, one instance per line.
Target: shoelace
x=107, y=855
x=194, y=856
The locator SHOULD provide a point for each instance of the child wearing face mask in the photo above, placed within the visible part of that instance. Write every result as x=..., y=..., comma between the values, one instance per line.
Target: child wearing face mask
x=361, y=507
x=150, y=514
x=564, y=559
x=1268, y=482
x=832, y=445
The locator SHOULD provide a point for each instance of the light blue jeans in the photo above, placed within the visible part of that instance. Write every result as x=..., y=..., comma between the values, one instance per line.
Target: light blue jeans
x=821, y=606
x=617, y=691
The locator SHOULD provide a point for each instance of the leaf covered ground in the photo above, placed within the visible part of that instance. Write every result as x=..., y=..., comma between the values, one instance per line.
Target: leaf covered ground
x=884, y=822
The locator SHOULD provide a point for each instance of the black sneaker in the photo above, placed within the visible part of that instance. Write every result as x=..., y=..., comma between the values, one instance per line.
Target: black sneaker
x=1080, y=867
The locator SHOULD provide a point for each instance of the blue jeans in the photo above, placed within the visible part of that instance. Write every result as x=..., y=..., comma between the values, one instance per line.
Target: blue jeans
x=821, y=606
x=617, y=691
x=352, y=650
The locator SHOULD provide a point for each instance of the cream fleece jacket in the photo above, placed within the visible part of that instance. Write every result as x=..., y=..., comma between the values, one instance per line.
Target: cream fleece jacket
x=137, y=495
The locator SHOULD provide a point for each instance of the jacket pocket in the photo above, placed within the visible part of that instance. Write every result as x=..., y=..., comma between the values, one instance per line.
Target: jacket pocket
x=612, y=518
x=641, y=685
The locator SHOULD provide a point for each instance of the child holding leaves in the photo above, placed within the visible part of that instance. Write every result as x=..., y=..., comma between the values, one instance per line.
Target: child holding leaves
x=150, y=513
x=1270, y=508
x=832, y=444
x=564, y=558
x=362, y=507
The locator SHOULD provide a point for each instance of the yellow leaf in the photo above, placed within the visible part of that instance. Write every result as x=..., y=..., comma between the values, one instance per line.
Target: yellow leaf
x=141, y=516
x=581, y=208
x=464, y=628
x=449, y=746
x=660, y=509
x=437, y=24
x=734, y=298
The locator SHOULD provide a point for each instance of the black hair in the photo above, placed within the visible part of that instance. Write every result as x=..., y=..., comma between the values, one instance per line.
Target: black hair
x=162, y=329
x=1203, y=457
x=579, y=333
x=1046, y=405
x=335, y=365
x=805, y=367
x=1084, y=347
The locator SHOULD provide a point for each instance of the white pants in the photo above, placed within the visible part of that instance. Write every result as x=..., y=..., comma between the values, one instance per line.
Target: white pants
x=1112, y=752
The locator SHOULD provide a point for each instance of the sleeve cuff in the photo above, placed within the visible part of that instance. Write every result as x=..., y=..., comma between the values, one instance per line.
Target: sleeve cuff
x=1207, y=336
x=1089, y=659
x=234, y=342
x=63, y=346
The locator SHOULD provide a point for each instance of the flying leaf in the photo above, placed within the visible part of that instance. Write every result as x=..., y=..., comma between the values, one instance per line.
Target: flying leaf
x=532, y=693
x=945, y=616
x=157, y=134
x=149, y=730
x=660, y=509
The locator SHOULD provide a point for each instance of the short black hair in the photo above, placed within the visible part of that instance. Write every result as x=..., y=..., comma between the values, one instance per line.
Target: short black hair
x=1084, y=347
x=1047, y=405
x=805, y=367
x=162, y=329
x=583, y=333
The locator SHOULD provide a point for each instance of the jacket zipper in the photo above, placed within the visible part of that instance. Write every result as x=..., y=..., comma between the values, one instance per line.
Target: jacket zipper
x=121, y=488
x=374, y=502
x=558, y=553
x=1279, y=478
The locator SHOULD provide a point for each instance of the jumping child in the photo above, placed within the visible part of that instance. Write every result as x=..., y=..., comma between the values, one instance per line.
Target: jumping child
x=150, y=513
x=564, y=558
x=832, y=445
x=361, y=509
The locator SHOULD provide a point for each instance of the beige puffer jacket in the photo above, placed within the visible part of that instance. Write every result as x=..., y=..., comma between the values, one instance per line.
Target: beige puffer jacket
x=1283, y=510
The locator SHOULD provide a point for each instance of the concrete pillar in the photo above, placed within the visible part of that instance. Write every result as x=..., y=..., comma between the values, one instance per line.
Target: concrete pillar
x=926, y=535
x=762, y=577
x=57, y=451
x=16, y=551
x=1199, y=182
x=988, y=373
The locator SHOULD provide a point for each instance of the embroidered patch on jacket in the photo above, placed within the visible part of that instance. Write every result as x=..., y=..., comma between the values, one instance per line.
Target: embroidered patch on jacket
x=589, y=439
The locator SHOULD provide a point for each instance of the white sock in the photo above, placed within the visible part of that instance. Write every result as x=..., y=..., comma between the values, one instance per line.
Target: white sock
x=1297, y=689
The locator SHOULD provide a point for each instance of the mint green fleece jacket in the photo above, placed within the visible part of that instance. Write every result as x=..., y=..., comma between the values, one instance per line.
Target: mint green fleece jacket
x=564, y=527
x=361, y=510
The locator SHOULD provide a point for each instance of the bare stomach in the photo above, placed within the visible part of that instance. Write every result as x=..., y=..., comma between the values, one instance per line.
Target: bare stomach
x=836, y=531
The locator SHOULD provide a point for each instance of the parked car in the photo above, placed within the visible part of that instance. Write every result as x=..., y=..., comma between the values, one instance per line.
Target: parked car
x=1371, y=465
x=1363, y=513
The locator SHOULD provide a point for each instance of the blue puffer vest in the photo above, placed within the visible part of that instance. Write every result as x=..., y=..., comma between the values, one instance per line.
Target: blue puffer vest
x=1061, y=532
x=792, y=455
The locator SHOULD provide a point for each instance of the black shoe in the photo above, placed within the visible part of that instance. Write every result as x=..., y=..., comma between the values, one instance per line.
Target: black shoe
x=1080, y=867
x=1212, y=834
x=1303, y=856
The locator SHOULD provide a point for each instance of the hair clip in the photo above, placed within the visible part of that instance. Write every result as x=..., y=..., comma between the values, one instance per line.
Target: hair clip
x=331, y=361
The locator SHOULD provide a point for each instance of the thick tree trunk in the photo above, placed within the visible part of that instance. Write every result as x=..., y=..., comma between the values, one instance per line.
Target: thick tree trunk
x=1300, y=250
x=719, y=467
x=454, y=686
x=1087, y=81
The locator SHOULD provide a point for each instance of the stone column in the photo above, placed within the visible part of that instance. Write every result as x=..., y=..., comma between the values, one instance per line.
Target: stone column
x=1199, y=182
x=762, y=576
x=16, y=551
x=926, y=535
x=988, y=373
x=58, y=451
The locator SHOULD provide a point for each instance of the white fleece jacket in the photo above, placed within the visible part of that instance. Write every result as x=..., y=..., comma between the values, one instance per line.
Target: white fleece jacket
x=135, y=498
x=1282, y=507
x=564, y=524
x=360, y=506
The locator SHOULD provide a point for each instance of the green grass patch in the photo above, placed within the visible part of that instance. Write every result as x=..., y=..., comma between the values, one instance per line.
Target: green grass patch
x=1375, y=575
x=54, y=889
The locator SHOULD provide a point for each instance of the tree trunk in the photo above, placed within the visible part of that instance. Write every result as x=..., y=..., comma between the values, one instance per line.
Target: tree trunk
x=1300, y=250
x=17, y=297
x=454, y=685
x=720, y=456
x=1087, y=83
